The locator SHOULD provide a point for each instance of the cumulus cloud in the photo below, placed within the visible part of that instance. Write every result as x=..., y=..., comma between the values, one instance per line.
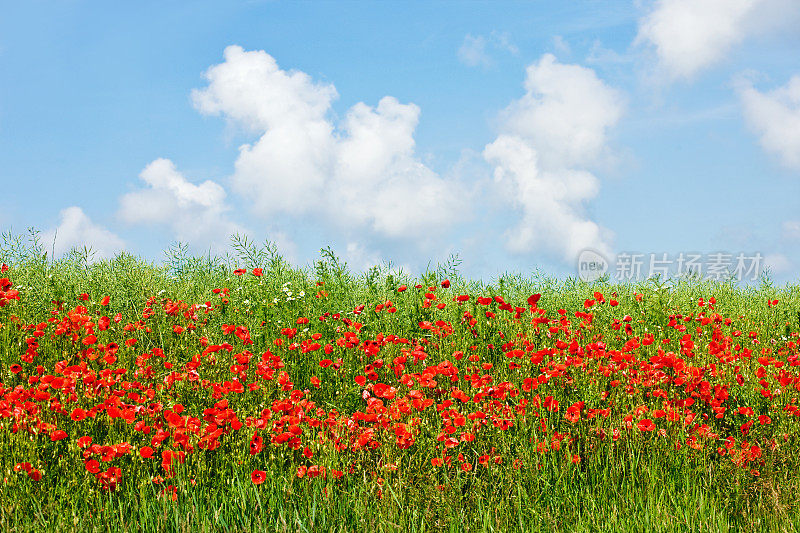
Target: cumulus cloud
x=193, y=213
x=76, y=230
x=474, y=50
x=547, y=139
x=691, y=35
x=565, y=113
x=252, y=90
x=551, y=202
x=363, y=176
x=378, y=181
x=775, y=117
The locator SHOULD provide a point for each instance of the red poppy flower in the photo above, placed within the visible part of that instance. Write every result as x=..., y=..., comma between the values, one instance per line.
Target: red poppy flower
x=15, y=368
x=551, y=404
x=258, y=477
x=58, y=434
x=169, y=457
x=93, y=466
x=401, y=288
x=146, y=452
x=646, y=424
x=258, y=272
x=573, y=413
x=446, y=284
x=85, y=442
x=256, y=443
x=78, y=414
x=533, y=299
x=599, y=296
x=105, y=301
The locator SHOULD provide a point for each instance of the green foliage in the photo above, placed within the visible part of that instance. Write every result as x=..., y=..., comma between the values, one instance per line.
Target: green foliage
x=641, y=481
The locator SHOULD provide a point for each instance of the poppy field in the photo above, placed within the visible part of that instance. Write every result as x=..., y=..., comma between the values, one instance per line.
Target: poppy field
x=248, y=394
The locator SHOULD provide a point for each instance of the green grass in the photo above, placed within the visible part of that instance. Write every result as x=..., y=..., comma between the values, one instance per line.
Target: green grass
x=640, y=481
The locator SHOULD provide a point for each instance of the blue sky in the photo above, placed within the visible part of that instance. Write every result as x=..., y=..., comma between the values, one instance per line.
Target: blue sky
x=516, y=134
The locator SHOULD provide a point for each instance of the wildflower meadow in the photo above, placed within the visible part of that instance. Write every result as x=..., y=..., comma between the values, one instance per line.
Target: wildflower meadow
x=245, y=394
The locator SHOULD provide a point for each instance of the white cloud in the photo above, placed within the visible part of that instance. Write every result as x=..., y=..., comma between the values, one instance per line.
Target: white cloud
x=551, y=202
x=474, y=52
x=778, y=263
x=76, y=230
x=775, y=117
x=502, y=40
x=196, y=214
x=565, y=113
x=791, y=230
x=600, y=55
x=379, y=182
x=561, y=45
x=287, y=248
x=359, y=259
x=285, y=169
x=365, y=176
x=547, y=137
x=250, y=89
x=690, y=35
